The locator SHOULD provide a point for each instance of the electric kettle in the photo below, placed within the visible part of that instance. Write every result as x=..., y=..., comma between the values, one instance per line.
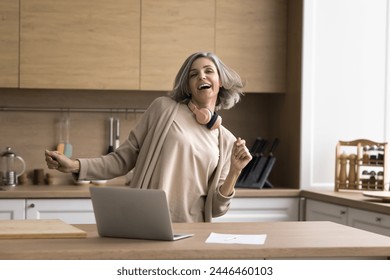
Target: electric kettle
x=9, y=163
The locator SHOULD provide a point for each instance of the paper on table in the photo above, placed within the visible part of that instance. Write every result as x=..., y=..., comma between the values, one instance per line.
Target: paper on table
x=254, y=239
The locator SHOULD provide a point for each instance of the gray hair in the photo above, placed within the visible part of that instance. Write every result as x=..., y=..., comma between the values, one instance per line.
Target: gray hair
x=229, y=94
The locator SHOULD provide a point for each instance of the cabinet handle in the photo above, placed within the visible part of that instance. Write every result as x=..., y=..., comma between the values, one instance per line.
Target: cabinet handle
x=378, y=219
x=342, y=212
x=32, y=205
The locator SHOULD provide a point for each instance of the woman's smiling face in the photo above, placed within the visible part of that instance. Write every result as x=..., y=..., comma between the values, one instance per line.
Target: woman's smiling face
x=204, y=81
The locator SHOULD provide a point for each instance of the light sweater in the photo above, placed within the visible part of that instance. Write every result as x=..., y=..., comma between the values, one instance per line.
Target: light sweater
x=169, y=150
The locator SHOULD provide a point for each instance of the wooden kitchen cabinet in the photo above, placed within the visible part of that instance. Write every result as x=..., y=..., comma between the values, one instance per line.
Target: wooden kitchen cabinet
x=251, y=38
x=12, y=209
x=9, y=43
x=171, y=31
x=71, y=44
x=138, y=45
x=261, y=210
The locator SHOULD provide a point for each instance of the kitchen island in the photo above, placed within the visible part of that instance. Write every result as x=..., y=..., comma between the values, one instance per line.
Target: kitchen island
x=285, y=240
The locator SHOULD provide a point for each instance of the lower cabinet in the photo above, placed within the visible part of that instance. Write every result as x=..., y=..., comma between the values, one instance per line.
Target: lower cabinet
x=71, y=211
x=261, y=210
x=80, y=211
x=322, y=211
x=357, y=218
x=370, y=221
x=12, y=209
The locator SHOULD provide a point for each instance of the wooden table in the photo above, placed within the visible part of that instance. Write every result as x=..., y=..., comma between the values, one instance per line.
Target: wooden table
x=284, y=240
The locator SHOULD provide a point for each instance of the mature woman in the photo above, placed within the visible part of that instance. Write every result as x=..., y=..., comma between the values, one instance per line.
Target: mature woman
x=179, y=144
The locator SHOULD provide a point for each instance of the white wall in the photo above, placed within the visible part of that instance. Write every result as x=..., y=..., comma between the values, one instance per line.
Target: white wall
x=345, y=81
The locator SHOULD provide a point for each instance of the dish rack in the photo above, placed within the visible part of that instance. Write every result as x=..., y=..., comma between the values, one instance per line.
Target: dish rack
x=361, y=165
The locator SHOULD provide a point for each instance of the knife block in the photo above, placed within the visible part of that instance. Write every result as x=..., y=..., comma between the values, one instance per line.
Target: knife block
x=255, y=174
x=361, y=165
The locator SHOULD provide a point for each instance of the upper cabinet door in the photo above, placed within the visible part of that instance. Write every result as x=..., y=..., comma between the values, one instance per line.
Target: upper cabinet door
x=251, y=38
x=171, y=31
x=88, y=44
x=9, y=43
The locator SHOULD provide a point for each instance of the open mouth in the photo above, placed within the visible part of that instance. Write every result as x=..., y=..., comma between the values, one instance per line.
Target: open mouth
x=204, y=86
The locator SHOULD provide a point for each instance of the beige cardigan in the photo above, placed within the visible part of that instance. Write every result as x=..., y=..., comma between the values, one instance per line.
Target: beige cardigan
x=142, y=148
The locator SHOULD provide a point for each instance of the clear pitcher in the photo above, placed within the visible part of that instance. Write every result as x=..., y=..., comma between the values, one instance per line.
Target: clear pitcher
x=12, y=166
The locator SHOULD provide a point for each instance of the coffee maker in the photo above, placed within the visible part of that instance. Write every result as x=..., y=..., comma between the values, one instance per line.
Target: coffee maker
x=12, y=166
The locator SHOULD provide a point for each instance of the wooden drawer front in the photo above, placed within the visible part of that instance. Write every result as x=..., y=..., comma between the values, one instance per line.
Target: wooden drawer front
x=370, y=221
x=321, y=211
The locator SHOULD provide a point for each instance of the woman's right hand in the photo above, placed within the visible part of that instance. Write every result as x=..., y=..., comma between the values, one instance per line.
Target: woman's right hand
x=60, y=162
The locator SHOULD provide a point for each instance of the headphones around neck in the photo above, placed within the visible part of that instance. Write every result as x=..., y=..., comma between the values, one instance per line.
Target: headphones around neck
x=205, y=116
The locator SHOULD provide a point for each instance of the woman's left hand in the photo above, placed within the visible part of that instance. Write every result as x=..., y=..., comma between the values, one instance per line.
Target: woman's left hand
x=239, y=159
x=240, y=155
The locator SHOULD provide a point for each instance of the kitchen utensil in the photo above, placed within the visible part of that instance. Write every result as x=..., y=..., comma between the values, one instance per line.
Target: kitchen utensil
x=111, y=136
x=253, y=151
x=259, y=167
x=60, y=134
x=255, y=170
x=64, y=146
x=68, y=148
x=269, y=163
x=117, y=133
x=10, y=173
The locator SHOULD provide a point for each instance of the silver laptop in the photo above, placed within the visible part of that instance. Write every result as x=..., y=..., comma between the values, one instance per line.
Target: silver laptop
x=133, y=213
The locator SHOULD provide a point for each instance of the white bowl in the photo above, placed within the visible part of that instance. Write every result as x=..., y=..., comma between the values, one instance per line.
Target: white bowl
x=82, y=182
x=99, y=182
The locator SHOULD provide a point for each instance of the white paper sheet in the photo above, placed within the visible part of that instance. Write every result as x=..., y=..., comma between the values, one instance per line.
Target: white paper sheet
x=253, y=239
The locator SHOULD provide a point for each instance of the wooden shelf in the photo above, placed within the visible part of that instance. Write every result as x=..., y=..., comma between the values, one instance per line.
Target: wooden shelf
x=361, y=165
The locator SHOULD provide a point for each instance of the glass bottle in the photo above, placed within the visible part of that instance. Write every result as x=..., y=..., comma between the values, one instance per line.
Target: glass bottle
x=366, y=157
x=373, y=152
x=365, y=179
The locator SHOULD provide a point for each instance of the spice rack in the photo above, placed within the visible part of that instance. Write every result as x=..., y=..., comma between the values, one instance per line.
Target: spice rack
x=361, y=165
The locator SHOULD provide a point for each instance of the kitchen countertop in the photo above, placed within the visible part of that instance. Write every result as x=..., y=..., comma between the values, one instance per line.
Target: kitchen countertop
x=28, y=191
x=274, y=192
x=354, y=199
x=345, y=198
x=82, y=191
x=284, y=240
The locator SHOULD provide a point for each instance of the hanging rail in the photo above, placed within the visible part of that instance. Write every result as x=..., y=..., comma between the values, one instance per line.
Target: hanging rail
x=70, y=110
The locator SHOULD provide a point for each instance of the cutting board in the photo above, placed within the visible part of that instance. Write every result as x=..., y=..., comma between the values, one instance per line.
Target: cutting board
x=23, y=229
x=384, y=195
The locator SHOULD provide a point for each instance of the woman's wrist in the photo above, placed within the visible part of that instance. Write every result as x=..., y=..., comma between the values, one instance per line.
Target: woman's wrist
x=75, y=166
x=227, y=188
